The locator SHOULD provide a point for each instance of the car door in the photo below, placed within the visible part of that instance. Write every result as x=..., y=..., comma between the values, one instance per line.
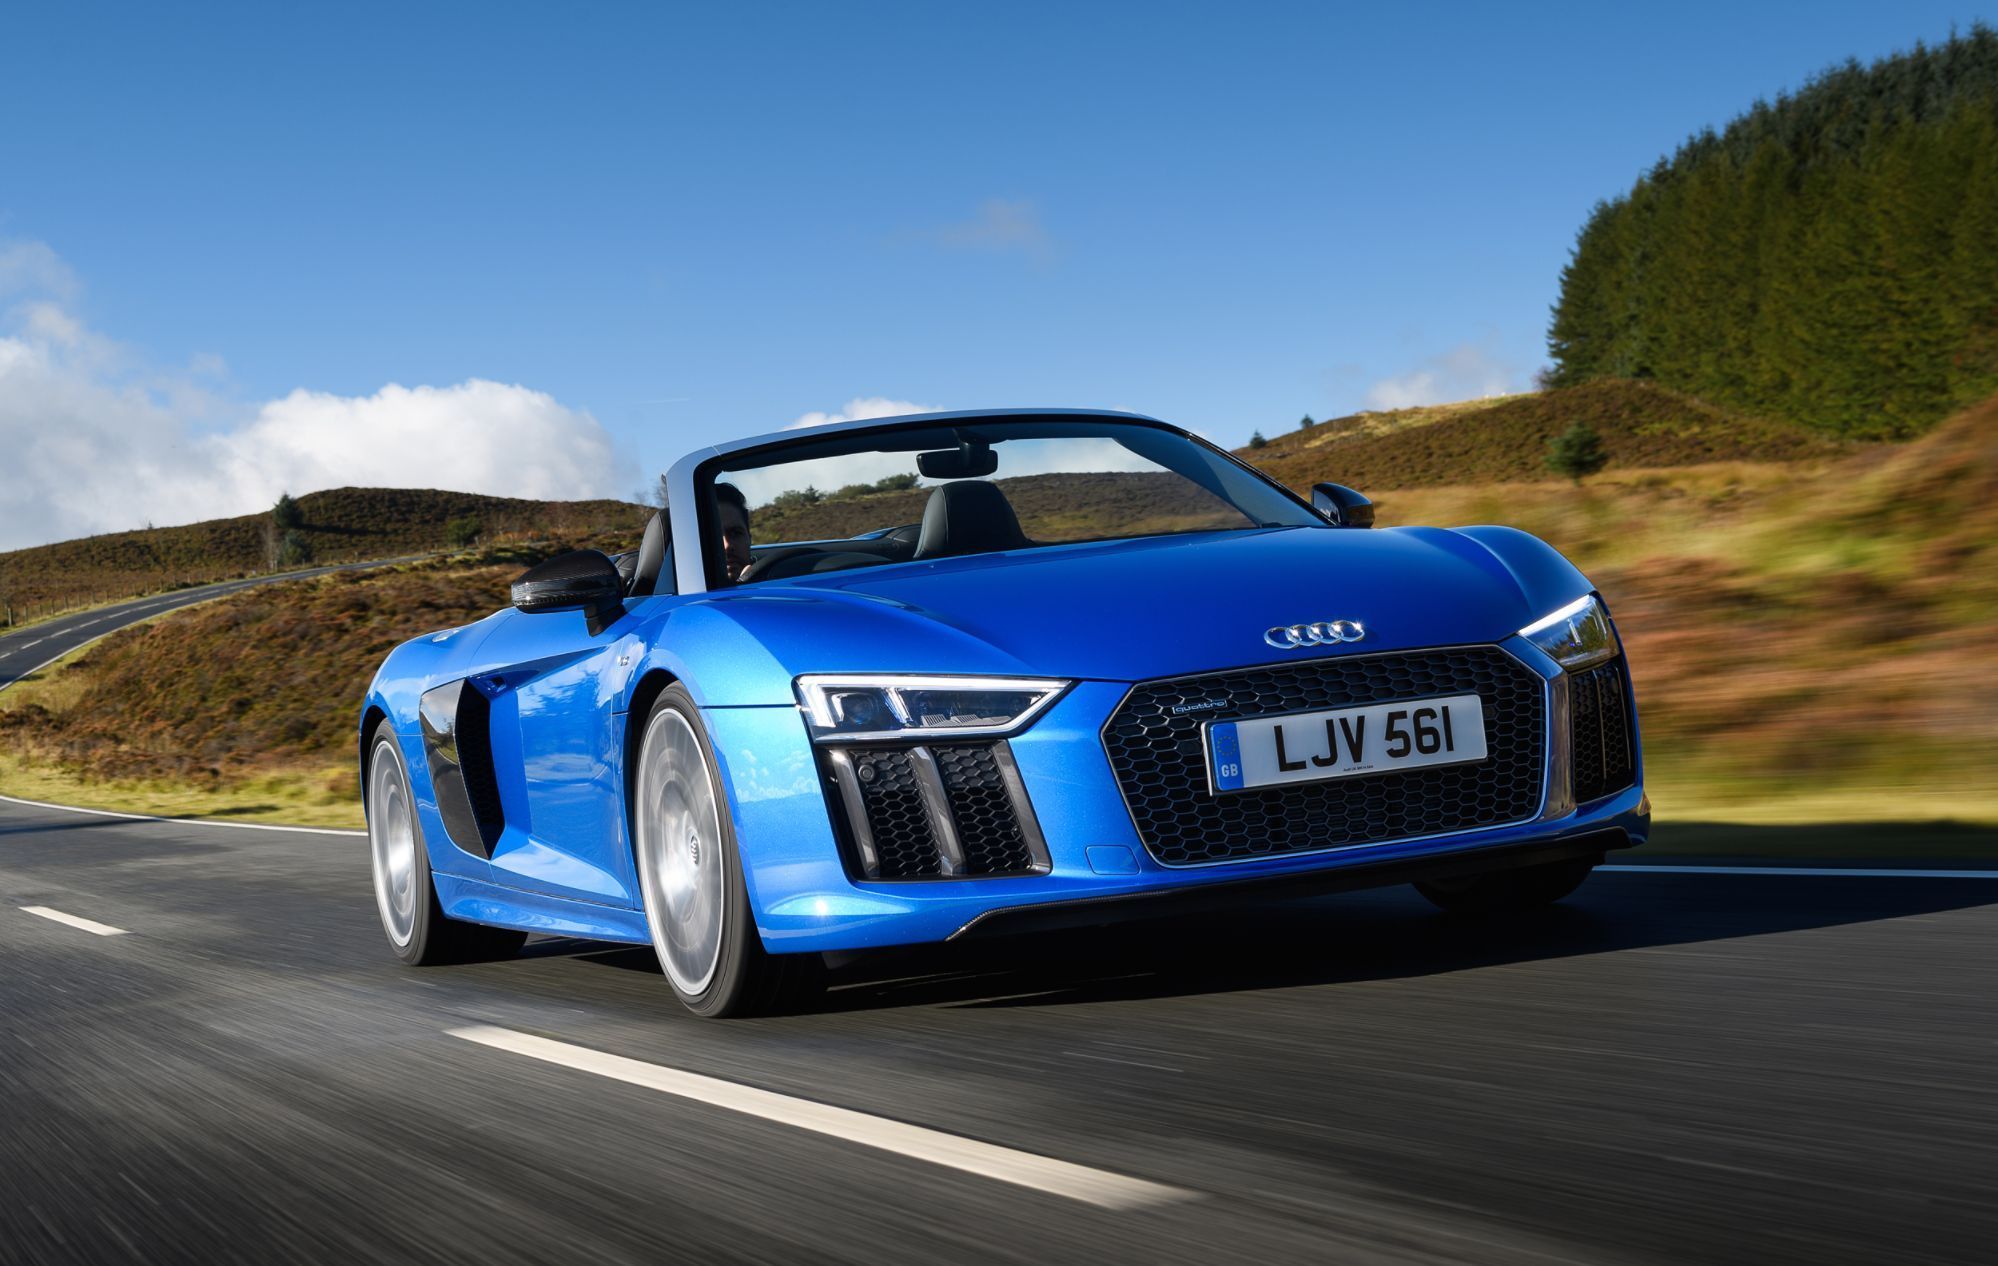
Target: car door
x=554, y=685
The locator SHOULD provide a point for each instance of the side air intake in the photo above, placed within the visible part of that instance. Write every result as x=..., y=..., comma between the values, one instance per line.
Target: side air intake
x=457, y=746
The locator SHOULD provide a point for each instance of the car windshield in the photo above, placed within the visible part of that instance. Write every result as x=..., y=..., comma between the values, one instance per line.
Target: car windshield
x=974, y=487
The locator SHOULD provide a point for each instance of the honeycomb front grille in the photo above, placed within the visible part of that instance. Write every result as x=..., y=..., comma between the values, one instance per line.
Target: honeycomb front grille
x=1603, y=746
x=1154, y=741
x=935, y=811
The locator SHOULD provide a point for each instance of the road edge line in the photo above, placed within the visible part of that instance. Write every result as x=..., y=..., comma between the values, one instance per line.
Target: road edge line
x=154, y=817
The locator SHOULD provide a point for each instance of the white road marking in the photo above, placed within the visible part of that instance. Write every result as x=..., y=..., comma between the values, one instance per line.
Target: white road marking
x=88, y=925
x=150, y=817
x=988, y=1160
x=57, y=658
x=1852, y=872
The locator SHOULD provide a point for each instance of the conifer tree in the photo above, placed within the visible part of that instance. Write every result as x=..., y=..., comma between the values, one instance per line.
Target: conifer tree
x=1577, y=452
x=1831, y=257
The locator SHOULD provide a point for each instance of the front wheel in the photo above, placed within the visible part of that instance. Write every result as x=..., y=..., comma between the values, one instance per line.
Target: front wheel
x=405, y=897
x=1497, y=891
x=690, y=875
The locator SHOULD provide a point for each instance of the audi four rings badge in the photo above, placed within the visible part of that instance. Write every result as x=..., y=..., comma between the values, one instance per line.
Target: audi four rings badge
x=1289, y=637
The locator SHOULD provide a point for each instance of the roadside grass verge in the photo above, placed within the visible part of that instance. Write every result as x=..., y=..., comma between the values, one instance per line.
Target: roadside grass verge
x=277, y=799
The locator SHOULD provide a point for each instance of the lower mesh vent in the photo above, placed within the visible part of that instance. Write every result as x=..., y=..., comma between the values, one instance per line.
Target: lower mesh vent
x=1604, y=751
x=935, y=811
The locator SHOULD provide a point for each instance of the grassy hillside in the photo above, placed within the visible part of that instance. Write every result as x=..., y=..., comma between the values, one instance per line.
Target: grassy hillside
x=1816, y=634
x=1810, y=641
x=251, y=698
x=1505, y=440
x=1642, y=425
x=342, y=525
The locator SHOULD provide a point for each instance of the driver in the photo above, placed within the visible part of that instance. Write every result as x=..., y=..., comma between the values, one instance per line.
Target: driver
x=732, y=521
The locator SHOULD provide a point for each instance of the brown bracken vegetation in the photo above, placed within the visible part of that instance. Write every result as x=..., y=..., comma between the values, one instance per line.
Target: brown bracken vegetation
x=261, y=682
x=1814, y=628
x=1505, y=440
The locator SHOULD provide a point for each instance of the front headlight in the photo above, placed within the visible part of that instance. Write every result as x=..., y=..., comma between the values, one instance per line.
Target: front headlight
x=893, y=706
x=1577, y=636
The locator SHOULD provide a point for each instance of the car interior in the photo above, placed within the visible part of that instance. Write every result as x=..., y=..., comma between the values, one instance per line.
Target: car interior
x=967, y=511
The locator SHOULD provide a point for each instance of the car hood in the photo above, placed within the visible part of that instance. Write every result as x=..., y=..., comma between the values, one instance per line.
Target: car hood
x=1154, y=607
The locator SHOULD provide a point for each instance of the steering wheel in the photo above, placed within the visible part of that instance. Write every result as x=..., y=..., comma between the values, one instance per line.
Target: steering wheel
x=786, y=562
x=769, y=566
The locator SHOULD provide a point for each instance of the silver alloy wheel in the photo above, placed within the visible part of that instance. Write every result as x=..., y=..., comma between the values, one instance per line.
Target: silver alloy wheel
x=392, y=841
x=680, y=866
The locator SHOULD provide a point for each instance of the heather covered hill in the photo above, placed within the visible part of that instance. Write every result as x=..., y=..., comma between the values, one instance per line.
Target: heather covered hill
x=1830, y=258
x=1504, y=440
x=1809, y=640
x=265, y=683
x=342, y=525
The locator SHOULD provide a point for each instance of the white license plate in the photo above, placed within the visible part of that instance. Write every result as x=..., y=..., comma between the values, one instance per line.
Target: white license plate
x=1342, y=742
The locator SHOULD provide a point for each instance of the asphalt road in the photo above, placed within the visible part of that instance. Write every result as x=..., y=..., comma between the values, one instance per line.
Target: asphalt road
x=24, y=650
x=1666, y=1068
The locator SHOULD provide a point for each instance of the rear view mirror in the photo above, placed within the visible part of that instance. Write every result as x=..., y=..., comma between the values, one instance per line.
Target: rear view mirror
x=971, y=459
x=1341, y=506
x=582, y=578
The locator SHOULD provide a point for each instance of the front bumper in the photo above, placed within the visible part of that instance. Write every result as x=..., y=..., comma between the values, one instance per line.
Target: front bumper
x=1097, y=867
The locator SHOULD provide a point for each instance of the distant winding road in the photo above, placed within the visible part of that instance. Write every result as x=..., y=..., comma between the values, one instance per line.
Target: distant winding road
x=24, y=650
x=208, y=1055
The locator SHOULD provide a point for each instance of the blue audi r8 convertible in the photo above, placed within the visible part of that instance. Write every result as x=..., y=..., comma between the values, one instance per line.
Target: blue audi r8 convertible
x=962, y=674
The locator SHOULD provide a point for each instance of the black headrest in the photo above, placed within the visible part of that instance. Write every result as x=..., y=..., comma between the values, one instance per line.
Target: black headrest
x=969, y=516
x=651, y=555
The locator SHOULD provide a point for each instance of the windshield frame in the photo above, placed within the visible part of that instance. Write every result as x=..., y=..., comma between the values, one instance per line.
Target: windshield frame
x=691, y=480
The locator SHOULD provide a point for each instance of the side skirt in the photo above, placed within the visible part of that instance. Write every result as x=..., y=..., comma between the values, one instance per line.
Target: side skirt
x=475, y=901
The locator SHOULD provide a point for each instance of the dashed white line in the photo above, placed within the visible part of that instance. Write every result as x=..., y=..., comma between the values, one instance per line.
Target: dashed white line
x=1845, y=872
x=88, y=925
x=987, y=1160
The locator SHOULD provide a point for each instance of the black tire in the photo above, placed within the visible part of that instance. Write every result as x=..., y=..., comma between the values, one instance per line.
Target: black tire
x=743, y=978
x=1499, y=891
x=432, y=938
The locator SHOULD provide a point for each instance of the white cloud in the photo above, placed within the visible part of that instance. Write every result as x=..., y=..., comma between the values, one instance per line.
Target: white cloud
x=1466, y=371
x=32, y=268
x=95, y=441
x=862, y=407
x=1000, y=225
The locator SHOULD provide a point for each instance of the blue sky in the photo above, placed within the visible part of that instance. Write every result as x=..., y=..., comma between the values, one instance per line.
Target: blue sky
x=692, y=221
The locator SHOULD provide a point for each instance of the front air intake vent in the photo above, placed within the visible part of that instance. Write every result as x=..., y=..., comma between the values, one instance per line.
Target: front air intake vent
x=1604, y=749
x=933, y=811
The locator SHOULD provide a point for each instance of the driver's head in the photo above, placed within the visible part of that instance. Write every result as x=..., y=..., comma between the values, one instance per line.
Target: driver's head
x=732, y=522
